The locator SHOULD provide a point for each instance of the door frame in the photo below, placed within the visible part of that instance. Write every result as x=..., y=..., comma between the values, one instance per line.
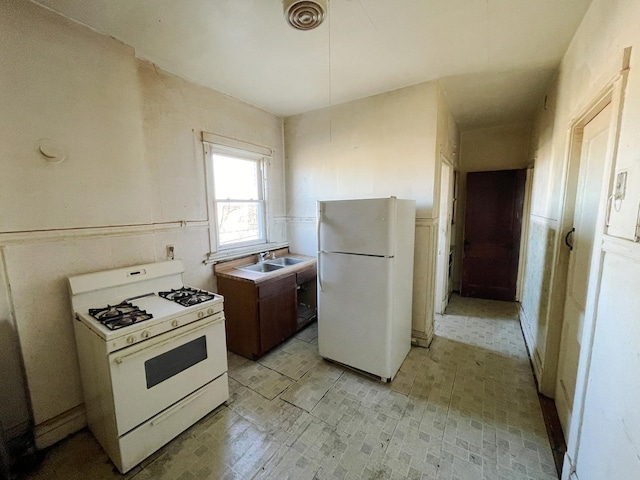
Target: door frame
x=524, y=233
x=603, y=108
x=612, y=93
x=522, y=187
x=442, y=257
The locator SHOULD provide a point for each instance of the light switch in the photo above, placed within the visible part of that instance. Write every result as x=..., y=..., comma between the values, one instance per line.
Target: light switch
x=621, y=185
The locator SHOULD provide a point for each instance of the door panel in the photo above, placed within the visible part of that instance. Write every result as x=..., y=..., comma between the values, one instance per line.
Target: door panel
x=493, y=223
x=278, y=318
x=590, y=178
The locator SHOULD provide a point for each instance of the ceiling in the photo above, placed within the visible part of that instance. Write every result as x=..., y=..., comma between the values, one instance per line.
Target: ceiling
x=495, y=57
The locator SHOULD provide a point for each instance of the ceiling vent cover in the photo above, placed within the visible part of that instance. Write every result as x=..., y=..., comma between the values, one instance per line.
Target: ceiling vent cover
x=304, y=14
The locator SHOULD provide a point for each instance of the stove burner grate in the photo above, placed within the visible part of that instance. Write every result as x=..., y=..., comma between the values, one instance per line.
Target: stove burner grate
x=118, y=316
x=187, y=296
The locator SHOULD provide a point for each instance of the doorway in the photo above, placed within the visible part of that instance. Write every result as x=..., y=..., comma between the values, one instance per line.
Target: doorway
x=492, y=230
x=580, y=240
x=445, y=256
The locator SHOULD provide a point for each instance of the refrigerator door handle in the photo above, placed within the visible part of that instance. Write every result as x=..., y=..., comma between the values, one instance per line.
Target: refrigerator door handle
x=319, y=268
x=319, y=272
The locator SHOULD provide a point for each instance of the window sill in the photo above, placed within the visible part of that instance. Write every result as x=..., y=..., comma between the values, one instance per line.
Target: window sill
x=215, y=257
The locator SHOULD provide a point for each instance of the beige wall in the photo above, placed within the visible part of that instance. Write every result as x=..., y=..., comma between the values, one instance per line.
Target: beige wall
x=133, y=182
x=379, y=146
x=607, y=444
x=497, y=148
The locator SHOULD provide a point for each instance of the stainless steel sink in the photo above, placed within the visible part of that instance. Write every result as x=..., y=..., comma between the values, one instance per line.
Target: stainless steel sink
x=262, y=267
x=285, y=261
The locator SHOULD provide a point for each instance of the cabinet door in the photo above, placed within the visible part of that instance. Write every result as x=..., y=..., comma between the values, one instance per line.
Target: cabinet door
x=278, y=318
x=241, y=312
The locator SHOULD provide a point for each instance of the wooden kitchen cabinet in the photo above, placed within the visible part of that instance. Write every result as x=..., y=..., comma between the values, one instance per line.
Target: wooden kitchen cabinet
x=259, y=316
x=277, y=312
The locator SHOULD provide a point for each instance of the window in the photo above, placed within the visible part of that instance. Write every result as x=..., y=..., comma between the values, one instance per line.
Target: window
x=238, y=198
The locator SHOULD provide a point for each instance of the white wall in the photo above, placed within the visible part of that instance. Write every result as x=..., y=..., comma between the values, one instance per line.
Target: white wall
x=610, y=440
x=607, y=445
x=133, y=182
x=379, y=146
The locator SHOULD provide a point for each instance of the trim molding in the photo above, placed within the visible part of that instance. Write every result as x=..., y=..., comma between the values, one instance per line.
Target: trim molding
x=421, y=339
x=621, y=247
x=17, y=430
x=426, y=222
x=235, y=144
x=216, y=257
x=300, y=219
x=550, y=222
x=43, y=236
x=530, y=342
x=57, y=428
x=420, y=221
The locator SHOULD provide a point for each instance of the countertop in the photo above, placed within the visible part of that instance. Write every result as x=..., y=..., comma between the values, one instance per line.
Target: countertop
x=231, y=269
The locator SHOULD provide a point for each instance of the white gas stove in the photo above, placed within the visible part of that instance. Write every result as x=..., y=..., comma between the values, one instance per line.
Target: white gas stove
x=152, y=356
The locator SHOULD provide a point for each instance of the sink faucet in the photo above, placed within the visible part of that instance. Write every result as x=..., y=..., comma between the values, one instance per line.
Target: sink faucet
x=263, y=256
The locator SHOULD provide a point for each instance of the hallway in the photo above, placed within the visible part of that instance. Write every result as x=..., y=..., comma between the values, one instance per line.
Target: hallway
x=466, y=408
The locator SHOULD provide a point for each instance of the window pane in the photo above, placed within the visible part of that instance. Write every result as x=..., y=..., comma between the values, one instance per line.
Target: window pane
x=235, y=178
x=238, y=222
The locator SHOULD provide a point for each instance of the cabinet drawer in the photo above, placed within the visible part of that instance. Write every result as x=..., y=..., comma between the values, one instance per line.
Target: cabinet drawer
x=307, y=274
x=273, y=287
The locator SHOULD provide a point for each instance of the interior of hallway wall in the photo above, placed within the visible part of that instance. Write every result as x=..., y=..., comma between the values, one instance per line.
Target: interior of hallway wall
x=504, y=147
x=388, y=144
x=133, y=182
x=608, y=443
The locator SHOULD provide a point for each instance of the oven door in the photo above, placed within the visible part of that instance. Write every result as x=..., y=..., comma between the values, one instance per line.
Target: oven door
x=153, y=375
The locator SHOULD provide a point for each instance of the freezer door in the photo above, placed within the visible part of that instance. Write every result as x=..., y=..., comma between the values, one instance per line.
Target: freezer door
x=364, y=227
x=354, y=311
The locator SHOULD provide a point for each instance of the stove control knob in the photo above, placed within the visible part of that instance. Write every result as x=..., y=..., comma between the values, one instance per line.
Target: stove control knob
x=201, y=314
x=131, y=339
x=145, y=334
x=175, y=323
x=210, y=311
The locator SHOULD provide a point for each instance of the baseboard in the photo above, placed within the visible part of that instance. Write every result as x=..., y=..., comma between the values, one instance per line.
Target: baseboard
x=554, y=431
x=17, y=431
x=529, y=341
x=421, y=339
x=57, y=428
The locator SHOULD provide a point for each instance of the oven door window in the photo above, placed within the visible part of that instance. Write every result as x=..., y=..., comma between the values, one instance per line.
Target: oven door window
x=164, y=366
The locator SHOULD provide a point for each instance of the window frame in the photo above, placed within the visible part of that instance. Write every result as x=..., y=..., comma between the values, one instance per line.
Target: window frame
x=261, y=160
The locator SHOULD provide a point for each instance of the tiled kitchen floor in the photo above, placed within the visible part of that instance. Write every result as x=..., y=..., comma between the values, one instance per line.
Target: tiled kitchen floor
x=466, y=408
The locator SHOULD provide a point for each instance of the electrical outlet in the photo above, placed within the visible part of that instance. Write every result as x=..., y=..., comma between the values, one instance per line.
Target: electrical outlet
x=621, y=186
x=170, y=252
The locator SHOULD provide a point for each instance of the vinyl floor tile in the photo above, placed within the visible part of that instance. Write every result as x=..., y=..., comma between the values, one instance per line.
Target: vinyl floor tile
x=466, y=408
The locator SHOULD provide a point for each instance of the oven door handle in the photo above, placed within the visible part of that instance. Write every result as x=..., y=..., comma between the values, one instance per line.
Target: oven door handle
x=122, y=358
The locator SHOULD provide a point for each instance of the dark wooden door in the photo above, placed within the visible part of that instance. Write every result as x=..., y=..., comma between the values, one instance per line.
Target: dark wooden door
x=492, y=227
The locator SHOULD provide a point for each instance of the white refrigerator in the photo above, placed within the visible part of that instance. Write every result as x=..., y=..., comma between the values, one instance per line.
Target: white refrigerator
x=365, y=282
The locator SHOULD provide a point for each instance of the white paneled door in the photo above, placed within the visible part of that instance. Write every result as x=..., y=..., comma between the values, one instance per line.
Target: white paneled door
x=444, y=238
x=590, y=179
